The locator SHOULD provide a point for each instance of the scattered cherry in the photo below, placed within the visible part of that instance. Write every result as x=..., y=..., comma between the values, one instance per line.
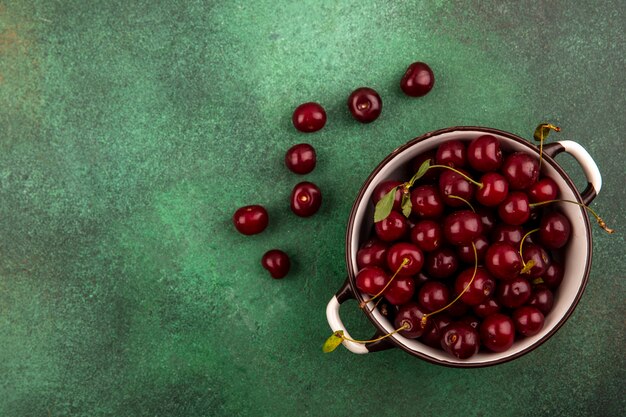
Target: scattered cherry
x=250, y=220
x=365, y=104
x=309, y=117
x=528, y=320
x=460, y=339
x=301, y=158
x=418, y=80
x=306, y=199
x=497, y=332
x=276, y=262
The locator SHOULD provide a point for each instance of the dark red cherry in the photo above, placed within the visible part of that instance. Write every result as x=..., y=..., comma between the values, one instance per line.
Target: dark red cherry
x=484, y=153
x=387, y=309
x=460, y=340
x=494, y=190
x=383, y=188
x=487, y=308
x=507, y=233
x=451, y=183
x=514, y=293
x=462, y=227
x=309, y=117
x=365, y=104
x=441, y=263
x=401, y=290
x=371, y=280
x=418, y=80
x=373, y=253
x=433, y=295
x=466, y=252
x=438, y=323
x=472, y=321
x=401, y=251
x=427, y=235
x=542, y=298
x=411, y=314
x=421, y=278
x=480, y=288
x=521, y=170
x=545, y=189
x=497, y=332
x=393, y=227
x=457, y=310
x=276, y=262
x=503, y=261
x=514, y=209
x=554, y=230
x=452, y=153
x=431, y=175
x=528, y=320
x=488, y=219
x=301, y=158
x=540, y=258
x=553, y=275
x=426, y=201
x=250, y=220
x=306, y=199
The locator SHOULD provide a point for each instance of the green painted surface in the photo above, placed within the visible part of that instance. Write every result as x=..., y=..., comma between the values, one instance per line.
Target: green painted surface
x=131, y=131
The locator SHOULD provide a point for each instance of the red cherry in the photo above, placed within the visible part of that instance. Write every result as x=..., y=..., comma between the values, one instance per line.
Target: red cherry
x=371, y=280
x=250, y=220
x=383, y=188
x=479, y=290
x=433, y=296
x=411, y=314
x=401, y=251
x=306, y=199
x=301, y=158
x=452, y=153
x=553, y=275
x=426, y=201
x=427, y=235
x=418, y=80
x=521, y=170
x=373, y=253
x=528, y=320
x=461, y=340
x=276, y=262
x=487, y=308
x=438, y=323
x=542, y=298
x=309, y=117
x=503, y=261
x=514, y=293
x=401, y=290
x=554, y=230
x=545, y=189
x=365, y=104
x=452, y=183
x=514, y=209
x=484, y=153
x=497, y=332
x=462, y=227
x=494, y=190
x=441, y=263
x=393, y=227
x=466, y=251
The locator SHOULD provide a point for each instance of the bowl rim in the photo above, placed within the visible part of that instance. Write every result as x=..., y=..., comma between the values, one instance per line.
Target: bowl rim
x=351, y=279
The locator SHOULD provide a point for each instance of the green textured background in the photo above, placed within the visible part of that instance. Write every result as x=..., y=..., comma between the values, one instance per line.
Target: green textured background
x=130, y=131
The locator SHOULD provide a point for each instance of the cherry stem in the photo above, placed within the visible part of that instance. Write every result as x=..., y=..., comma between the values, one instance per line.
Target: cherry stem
x=425, y=317
x=463, y=200
x=404, y=262
x=376, y=305
x=540, y=136
x=598, y=218
x=404, y=326
x=525, y=267
x=479, y=184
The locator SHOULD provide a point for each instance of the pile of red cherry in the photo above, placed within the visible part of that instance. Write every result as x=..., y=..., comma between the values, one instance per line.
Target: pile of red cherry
x=491, y=245
x=365, y=105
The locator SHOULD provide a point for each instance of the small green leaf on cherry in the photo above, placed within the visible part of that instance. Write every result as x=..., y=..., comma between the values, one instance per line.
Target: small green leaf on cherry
x=406, y=204
x=333, y=341
x=543, y=130
x=385, y=205
x=420, y=172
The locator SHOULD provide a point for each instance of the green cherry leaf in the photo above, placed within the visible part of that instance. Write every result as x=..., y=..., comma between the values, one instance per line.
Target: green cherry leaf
x=406, y=204
x=333, y=341
x=543, y=130
x=420, y=172
x=385, y=205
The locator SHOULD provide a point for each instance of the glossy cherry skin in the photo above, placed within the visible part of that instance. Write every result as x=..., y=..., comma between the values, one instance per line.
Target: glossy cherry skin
x=542, y=298
x=426, y=201
x=418, y=80
x=554, y=230
x=309, y=117
x=276, y=262
x=438, y=323
x=484, y=153
x=460, y=340
x=540, y=258
x=545, y=189
x=306, y=199
x=462, y=227
x=466, y=252
x=383, y=188
x=521, y=170
x=401, y=251
x=250, y=220
x=427, y=235
x=507, y=233
x=494, y=190
x=553, y=275
x=373, y=253
x=431, y=175
x=452, y=153
x=497, y=332
x=503, y=261
x=451, y=183
x=514, y=209
x=433, y=295
x=371, y=280
x=301, y=158
x=411, y=314
x=393, y=227
x=528, y=320
x=401, y=290
x=365, y=104
x=488, y=219
x=441, y=263
x=514, y=293
x=479, y=290
x=487, y=308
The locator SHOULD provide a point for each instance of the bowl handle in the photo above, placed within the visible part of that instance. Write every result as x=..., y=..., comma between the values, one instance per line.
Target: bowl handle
x=332, y=315
x=594, y=179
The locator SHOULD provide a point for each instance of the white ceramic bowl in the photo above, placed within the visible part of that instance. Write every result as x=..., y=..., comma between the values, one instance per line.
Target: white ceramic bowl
x=577, y=260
